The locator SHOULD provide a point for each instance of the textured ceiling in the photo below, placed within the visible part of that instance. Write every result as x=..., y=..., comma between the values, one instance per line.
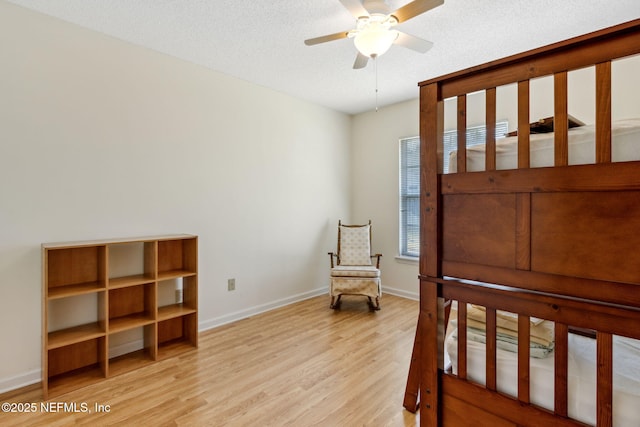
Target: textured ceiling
x=262, y=41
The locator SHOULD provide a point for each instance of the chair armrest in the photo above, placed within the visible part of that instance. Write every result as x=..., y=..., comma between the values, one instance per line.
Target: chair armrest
x=378, y=259
x=331, y=255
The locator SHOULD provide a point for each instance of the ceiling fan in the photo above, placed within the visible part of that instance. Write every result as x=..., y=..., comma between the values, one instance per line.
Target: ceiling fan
x=374, y=32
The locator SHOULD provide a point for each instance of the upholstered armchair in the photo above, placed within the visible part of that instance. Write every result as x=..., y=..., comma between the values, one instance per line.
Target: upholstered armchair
x=352, y=270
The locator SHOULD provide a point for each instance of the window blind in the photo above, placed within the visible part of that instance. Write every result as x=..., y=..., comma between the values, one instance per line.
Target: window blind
x=410, y=196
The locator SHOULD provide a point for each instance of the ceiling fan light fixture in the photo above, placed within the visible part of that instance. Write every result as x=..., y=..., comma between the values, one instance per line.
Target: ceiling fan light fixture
x=374, y=34
x=374, y=40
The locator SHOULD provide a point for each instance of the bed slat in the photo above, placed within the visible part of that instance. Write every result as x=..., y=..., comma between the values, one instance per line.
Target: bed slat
x=491, y=382
x=462, y=340
x=561, y=354
x=604, y=394
x=523, y=124
x=603, y=115
x=490, y=126
x=561, y=120
x=524, y=329
x=462, y=134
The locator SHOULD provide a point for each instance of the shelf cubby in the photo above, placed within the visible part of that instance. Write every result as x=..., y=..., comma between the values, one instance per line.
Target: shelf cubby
x=144, y=353
x=131, y=263
x=177, y=258
x=111, y=306
x=74, y=270
x=177, y=334
x=81, y=363
x=82, y=377
x=131, y=307
x=180, y=290
x=87, y=322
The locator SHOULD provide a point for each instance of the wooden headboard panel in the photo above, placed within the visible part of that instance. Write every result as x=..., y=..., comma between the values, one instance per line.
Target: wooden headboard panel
x=559, y=238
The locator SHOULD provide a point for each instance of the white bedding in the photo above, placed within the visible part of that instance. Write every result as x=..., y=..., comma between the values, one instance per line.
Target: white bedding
x=625, y=147
x=582, y=376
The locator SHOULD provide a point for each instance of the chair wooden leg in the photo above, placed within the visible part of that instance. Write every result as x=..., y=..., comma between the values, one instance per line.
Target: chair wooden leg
x=374, y=306
x=335, y=303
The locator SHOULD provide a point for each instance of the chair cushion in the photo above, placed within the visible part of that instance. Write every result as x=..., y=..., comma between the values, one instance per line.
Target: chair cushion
x=355, y=246
x=355, y=271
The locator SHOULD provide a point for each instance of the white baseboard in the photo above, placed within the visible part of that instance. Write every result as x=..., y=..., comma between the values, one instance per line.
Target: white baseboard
x=252, y=311
x=400, y=293
x=19, y=381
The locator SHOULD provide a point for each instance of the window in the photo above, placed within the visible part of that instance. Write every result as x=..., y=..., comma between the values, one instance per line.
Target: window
x=410, y=180
x=410, y=197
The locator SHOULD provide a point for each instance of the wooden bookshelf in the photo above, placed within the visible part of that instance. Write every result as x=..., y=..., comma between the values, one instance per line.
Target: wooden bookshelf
x=109, y=287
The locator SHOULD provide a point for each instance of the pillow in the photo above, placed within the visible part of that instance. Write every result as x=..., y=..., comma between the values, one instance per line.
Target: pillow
x=355, y=247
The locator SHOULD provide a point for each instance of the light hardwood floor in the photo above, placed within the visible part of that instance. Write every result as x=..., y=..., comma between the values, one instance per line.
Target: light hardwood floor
x=300, y=365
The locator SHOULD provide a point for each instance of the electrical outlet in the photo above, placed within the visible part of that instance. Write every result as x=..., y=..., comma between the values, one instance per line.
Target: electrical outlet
x=231, y=284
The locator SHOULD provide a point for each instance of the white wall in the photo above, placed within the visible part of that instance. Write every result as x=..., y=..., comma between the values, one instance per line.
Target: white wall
x=101, y=139
x=375, y=181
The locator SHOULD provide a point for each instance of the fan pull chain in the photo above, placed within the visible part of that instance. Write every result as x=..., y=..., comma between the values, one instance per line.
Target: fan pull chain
x=375, y=66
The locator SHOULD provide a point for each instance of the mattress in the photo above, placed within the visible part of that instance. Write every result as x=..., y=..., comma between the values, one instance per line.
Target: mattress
x=581, y=376
x=625, y=147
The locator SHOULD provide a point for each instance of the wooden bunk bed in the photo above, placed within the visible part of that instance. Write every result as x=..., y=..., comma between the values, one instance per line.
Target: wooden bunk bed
x=559, y=243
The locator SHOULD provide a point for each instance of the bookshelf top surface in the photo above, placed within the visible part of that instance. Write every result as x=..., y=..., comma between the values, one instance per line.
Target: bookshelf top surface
x=60, y=245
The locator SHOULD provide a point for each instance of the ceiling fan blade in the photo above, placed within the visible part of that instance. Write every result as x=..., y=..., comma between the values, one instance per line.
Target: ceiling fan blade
x=327, y=38
x=355, y=7
x=415, y=8
x=361, y=61
x=413, y=42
